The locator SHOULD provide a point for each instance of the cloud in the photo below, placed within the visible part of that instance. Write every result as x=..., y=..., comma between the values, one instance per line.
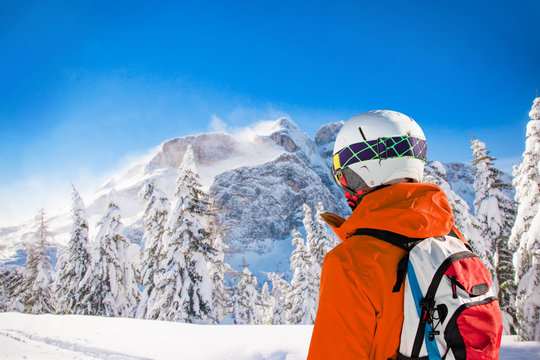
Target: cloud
x=22, y=199
x=248, y=122
x=249, y=133
x=217, y=124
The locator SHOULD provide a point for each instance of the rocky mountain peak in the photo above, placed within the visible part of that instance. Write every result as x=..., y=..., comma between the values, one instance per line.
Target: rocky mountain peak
x=287, y=124
x=328, y=133
x=284, y=140
x=208, y=148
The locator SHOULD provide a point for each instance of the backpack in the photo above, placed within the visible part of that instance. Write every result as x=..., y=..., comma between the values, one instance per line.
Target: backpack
x=451, y=310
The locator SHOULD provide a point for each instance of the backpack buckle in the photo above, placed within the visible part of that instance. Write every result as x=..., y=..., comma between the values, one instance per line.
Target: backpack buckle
x=428, y=308
x=432, y=335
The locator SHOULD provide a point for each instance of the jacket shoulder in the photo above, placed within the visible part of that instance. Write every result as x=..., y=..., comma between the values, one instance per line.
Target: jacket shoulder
x=362, y=252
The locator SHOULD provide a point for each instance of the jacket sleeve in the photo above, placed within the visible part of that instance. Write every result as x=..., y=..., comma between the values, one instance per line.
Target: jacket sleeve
x=346, y=319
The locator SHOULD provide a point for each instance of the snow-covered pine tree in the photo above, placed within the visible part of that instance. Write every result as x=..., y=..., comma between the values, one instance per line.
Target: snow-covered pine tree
x=313, y=250
x=73, y=263
x=185, y=288
x=154, y=223
x=322, y=242
x=278, y=296
x=309, y=228
x=11, y=282
x=246, y=300
x=301, y=300
x=266, y=305
x=217, y=269
x=298, y=265
x=525, y=237
x=464, y=221
x=495, y=213
x=5, y=293
x=38, y=295
x=112, y=283
x=170, y=297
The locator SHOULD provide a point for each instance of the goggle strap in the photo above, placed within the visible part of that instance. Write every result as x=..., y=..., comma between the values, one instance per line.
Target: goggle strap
x=379, y=149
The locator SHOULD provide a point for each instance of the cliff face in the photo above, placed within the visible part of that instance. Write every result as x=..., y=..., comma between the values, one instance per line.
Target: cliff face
x=207, y=150
x=261, y=204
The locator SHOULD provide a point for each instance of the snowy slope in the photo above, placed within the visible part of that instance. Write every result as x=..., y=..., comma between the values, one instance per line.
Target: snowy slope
x=59, y=337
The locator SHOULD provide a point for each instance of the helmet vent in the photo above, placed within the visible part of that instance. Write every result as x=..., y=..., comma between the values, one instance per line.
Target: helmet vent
x=362, y=133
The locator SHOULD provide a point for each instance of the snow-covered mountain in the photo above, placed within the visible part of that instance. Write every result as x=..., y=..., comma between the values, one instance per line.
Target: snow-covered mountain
x=259, y=179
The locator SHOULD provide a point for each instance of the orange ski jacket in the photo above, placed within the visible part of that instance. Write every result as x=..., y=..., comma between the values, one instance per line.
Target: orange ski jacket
x=359, y=317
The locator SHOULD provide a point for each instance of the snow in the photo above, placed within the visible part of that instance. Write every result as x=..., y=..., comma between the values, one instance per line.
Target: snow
x=24, y=336
x=439, y=167
x=535, y=110
x=525, y=233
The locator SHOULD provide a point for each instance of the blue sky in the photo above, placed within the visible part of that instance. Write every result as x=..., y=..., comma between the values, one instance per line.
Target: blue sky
x=88, y=85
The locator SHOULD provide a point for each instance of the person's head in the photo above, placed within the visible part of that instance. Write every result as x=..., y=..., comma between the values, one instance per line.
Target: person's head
x=375, y=149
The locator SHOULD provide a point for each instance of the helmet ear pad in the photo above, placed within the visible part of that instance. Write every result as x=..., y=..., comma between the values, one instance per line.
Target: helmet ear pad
x=354, y=181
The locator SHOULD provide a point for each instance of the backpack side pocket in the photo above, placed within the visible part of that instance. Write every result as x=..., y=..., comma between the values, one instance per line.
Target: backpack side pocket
x=475, y=329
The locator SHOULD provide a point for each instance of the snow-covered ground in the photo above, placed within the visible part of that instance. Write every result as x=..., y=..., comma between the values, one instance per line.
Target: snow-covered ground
x=25, y=336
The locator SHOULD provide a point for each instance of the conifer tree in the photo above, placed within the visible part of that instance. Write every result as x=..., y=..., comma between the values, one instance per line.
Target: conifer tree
x=322, y=242
x=309, y=228
x=154, y=222
x=4, y=298
x=217, y=269
x=5, y=291
x=312, y=246
x=525, y=236
x=246, y=300
x=303, y=296
x=495, y=213
x=464, y=221
x=11, y=281
x=36, y=286
x=278, y=298
x=112, y=279
x=74, y=263
x=170, y=297
x=266, y=305
x=185, y=288
x=298, y=265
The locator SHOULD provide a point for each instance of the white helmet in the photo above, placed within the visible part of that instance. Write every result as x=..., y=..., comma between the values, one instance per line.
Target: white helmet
x=377, y=148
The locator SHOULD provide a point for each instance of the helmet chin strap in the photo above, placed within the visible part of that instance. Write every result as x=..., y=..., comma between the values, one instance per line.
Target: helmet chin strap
x=353, y=199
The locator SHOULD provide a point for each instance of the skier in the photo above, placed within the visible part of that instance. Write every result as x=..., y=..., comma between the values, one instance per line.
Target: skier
x=379, y=160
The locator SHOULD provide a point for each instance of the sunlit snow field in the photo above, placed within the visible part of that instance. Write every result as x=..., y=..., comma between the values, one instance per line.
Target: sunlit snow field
x=25, y=336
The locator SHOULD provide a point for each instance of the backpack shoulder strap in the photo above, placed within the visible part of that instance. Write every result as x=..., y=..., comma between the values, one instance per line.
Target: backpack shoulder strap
x=401, y=241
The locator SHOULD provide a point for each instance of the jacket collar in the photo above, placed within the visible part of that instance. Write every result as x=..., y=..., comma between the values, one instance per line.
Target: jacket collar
x=410, y=209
